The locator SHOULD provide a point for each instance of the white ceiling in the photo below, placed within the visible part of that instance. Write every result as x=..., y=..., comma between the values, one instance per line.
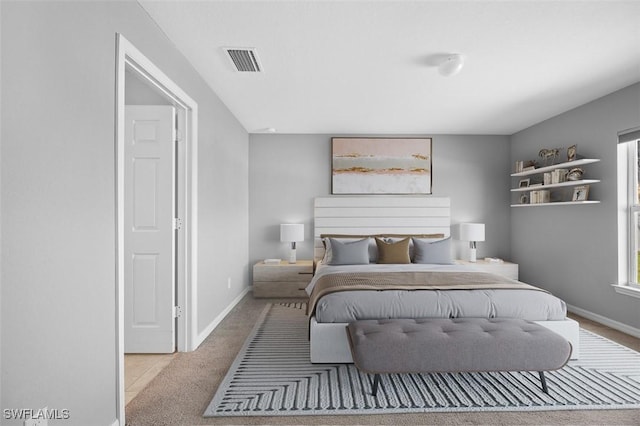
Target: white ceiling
x=366, y=67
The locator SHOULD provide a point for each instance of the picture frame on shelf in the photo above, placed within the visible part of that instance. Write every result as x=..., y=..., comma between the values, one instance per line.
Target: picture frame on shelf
x=524, y=183
x=580, y=193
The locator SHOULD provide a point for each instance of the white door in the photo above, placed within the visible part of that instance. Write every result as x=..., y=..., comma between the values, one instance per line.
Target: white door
x=149, y=229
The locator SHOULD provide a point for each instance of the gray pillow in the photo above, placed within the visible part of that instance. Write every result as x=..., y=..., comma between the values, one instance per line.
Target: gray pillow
x=349, y=252
x=373, y=249
x=429, y=251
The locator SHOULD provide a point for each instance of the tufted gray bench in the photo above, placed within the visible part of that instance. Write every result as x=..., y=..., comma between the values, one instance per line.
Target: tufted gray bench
x=443, y=345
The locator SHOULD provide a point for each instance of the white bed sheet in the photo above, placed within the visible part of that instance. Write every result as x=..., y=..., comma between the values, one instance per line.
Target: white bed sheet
x=348, y=306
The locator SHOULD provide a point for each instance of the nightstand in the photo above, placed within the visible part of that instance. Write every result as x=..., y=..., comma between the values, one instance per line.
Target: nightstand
x=282, y=279
x=508, y=269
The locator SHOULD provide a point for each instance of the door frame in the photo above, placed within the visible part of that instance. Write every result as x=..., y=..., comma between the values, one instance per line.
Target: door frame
x=129, y=57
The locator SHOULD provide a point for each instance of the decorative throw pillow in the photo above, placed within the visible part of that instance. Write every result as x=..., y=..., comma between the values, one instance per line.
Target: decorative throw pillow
x=373, y=249
x=349, y=252
x=393, y=252
x=428, y=251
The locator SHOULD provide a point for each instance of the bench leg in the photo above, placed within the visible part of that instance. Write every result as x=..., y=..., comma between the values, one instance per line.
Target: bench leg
x=544, y=383
x=376, y=382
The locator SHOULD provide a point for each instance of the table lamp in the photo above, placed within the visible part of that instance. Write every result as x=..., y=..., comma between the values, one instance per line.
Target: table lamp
x=471, y=232
x=292, y=233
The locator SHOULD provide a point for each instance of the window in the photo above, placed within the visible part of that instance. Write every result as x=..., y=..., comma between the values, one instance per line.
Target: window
x=634, y=210
x=629, y=212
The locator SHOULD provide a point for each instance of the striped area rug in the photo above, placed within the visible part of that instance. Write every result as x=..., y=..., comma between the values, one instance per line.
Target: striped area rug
x=272, y=375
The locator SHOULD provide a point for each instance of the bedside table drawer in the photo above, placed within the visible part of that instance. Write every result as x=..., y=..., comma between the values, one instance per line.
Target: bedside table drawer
x=294, y=272
x=504, y=268
x=279, y=289
x=282, y=279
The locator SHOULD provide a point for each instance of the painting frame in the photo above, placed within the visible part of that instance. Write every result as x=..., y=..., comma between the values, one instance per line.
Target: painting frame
x=381, y=165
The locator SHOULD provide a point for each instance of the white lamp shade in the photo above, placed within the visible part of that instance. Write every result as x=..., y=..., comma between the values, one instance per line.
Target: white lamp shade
x=471, y=231
x=291, y=232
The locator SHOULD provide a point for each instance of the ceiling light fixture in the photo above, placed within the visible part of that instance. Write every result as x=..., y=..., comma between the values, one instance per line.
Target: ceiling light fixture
x=451, y=65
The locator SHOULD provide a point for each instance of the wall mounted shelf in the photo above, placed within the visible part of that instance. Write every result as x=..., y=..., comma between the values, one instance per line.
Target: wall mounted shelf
x=557, y=203
x=565, y=165
x=558, y=187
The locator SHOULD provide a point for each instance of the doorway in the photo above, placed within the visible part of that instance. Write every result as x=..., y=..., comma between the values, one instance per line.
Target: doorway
x=184, y=223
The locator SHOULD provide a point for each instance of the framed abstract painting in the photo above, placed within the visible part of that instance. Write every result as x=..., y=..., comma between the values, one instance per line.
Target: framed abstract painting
x=381, y=165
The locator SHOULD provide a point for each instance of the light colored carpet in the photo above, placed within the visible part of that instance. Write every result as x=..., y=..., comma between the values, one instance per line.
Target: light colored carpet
x=272, y=375
x=180, y=394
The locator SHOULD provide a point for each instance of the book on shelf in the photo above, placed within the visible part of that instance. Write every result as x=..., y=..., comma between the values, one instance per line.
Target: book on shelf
x=559, y=175
x=540, y=196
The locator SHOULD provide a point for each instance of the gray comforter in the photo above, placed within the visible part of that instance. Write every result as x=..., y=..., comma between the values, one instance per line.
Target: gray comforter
x=348, y=306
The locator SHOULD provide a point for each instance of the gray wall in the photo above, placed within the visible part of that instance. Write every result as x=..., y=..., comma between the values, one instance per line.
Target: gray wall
x=288, y=171
x=58, y=304
x=572, y=250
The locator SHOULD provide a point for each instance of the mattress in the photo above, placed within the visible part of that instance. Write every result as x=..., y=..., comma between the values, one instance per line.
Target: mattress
x=348, y=306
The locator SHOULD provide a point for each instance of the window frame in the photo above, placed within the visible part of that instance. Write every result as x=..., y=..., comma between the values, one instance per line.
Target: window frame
x=629, y=217
x=633, y=211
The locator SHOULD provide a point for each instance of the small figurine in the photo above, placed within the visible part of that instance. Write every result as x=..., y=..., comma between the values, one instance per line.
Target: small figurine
x=547, y=153
x=572, y=152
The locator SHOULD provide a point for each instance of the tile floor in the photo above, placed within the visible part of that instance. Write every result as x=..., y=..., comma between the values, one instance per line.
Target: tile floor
x=140, y=369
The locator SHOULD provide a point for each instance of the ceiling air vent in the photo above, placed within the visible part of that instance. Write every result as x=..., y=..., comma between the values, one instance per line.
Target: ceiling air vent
x=244, y=59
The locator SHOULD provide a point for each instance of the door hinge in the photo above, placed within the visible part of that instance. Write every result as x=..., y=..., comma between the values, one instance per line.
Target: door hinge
x=177, y=311
x=177, y=223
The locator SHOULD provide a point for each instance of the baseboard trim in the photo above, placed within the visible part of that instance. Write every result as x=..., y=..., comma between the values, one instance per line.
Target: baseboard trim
x=633, y=331
x=217, y=320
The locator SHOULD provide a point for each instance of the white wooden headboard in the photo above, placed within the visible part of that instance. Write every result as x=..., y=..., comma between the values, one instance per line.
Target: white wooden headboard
x=371, y=215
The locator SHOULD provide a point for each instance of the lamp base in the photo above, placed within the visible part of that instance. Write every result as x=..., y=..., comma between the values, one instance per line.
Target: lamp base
x=292, y=255
x=472, y=255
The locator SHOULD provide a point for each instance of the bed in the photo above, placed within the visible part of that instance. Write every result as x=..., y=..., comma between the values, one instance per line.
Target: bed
x=365, y=289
